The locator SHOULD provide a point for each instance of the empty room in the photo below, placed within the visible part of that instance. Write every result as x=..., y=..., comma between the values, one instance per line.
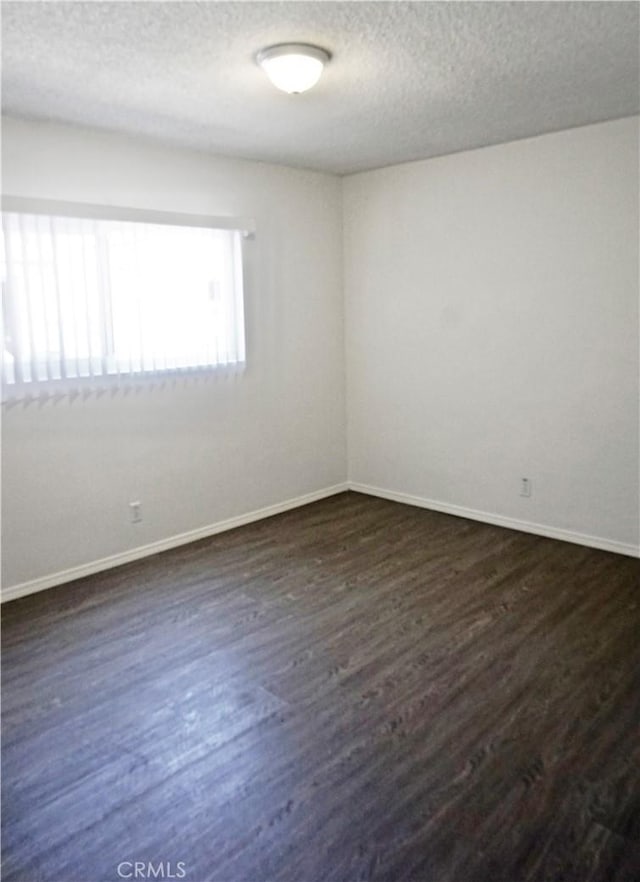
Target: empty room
x=320, y=441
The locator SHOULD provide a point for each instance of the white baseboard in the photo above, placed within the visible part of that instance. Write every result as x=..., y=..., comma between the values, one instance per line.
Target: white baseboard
x=115, y=560
x=499, y=520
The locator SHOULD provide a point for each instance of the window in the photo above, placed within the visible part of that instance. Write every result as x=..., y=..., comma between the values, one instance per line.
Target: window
x=93, y=297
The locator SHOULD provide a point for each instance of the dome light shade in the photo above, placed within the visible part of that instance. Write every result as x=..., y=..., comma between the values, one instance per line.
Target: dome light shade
x=293, y=67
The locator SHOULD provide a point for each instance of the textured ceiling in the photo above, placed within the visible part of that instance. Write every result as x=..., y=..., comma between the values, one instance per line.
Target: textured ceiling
x=407, y=80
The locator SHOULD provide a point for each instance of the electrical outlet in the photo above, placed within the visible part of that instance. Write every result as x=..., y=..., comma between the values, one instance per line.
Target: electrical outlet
x=525, y=487
x=135, y=512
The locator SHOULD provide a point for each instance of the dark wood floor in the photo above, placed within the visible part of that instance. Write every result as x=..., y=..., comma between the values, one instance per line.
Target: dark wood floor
x=356, y=690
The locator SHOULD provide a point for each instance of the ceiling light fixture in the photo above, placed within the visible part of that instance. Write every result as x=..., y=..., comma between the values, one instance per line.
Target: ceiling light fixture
x=293, y=67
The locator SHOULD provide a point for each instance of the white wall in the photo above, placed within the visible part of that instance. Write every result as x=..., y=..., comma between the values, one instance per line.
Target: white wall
x=492, y=333
x=492, y=329
x=193, y=453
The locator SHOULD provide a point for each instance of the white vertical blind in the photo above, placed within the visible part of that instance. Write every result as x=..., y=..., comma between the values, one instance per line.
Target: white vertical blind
x=89, y=298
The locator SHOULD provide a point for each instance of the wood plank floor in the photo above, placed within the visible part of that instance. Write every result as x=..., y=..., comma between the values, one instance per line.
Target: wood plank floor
x=356, y=690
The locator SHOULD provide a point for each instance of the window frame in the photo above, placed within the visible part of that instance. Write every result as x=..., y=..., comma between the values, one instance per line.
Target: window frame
x=80, y=210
